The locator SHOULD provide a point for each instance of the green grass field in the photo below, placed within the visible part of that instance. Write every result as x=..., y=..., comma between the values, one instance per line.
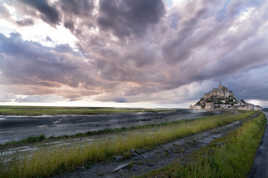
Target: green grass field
x=38, y=110
x=44, y=163
x=230, y=156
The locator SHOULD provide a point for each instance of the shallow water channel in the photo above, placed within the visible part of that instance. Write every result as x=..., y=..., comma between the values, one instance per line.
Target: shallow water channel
x=19, y=127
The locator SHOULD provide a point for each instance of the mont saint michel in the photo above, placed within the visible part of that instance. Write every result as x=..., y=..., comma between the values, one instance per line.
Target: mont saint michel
x=222, y=98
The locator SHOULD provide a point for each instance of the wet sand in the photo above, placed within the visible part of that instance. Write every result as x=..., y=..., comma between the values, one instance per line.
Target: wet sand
x=18, y=127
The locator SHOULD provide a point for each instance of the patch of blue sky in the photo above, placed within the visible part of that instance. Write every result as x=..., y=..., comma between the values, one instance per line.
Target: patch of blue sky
x=256, y=2
x=174, y=20
x=242, y=8
x=227, y=2
x=221, y=14
x=169, y=3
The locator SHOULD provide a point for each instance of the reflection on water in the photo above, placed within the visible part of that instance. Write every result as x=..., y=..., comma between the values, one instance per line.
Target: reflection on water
x=19, y=127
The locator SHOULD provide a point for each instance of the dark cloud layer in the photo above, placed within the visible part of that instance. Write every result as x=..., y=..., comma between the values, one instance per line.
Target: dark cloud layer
x=76, y=13
x=77, y=7
x=49, y=13
x=25, y=22
x=140, y=50
x=123, y=18
x=41, y=68
x=129, y=17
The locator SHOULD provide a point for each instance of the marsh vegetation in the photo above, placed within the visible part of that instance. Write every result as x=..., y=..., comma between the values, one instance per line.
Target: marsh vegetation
x=230, y=156
x=47, y=162
x=42, y=110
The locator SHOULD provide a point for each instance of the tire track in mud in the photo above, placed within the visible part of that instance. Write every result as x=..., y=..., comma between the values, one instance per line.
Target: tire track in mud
x=143, y=161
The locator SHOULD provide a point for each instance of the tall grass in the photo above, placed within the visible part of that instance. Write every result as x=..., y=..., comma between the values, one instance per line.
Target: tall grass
x=230, y=156
x=41, y=110
x=45, y=163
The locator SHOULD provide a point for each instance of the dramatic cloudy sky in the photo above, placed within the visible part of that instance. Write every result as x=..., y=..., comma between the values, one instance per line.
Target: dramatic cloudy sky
x=135, y=53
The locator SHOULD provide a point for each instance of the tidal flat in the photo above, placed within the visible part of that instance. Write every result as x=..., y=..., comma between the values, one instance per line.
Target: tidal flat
x=74, y=153
x=18, y=127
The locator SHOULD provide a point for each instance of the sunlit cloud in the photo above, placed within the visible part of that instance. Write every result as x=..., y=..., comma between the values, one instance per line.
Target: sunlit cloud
x=153, y=53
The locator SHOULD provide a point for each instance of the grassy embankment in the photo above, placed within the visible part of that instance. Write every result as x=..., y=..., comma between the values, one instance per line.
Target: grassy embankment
x=45, y=163
x=230, y=156
x=40, y=110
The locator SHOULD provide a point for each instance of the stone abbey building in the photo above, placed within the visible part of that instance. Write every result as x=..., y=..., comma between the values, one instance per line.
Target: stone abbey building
x=222, y=98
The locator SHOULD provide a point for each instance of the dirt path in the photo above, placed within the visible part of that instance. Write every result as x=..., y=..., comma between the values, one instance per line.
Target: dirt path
x=260, y=167
x=143, y=161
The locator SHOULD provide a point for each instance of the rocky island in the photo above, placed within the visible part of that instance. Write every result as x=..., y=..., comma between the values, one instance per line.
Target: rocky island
x=222, y=98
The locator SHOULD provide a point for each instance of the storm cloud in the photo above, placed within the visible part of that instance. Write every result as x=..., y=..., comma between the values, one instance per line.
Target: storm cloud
x=129, y=17
x=137, y=51
x=48, y=12
x=25, y=22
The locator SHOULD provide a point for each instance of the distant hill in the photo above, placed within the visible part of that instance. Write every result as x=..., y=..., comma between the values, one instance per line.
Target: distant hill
x=222, y=98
